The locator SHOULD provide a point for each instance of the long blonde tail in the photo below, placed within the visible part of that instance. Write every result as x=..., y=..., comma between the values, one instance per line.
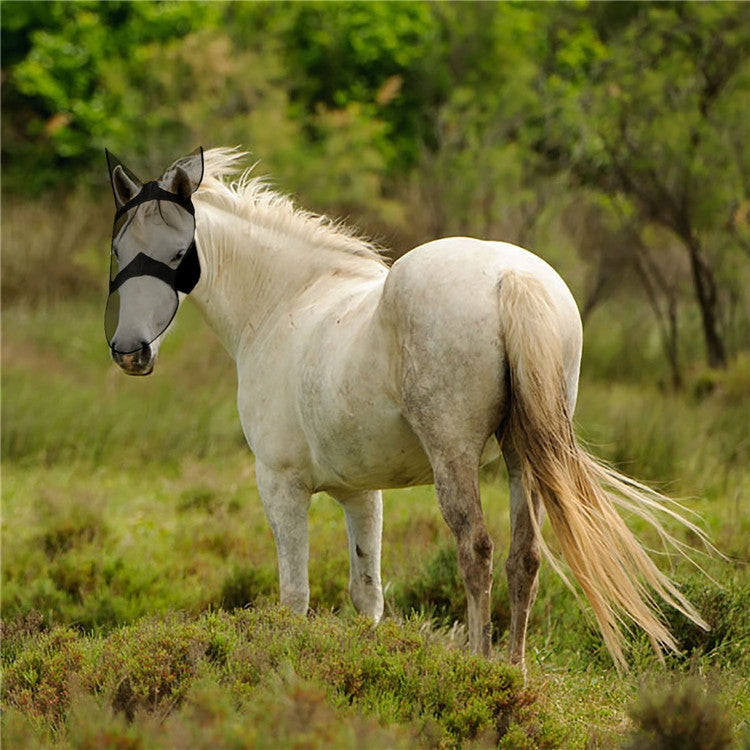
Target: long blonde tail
x=581, y=494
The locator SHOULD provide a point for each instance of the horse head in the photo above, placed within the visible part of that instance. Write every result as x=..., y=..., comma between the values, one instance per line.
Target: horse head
x=154, y=260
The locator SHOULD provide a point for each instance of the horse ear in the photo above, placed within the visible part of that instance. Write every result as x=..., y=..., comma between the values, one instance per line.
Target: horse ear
x=185, y=175
x=125, y=185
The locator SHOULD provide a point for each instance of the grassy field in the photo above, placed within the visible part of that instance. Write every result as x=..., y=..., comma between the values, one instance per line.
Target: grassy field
x=139, y=582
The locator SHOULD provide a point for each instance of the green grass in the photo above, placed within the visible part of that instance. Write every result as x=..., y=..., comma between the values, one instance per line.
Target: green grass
x=133, y=539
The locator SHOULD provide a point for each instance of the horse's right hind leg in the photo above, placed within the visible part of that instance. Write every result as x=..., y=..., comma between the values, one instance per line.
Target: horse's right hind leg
x=522, y=565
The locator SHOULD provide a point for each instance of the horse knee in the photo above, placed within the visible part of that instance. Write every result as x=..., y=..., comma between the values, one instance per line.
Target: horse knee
x=531, y=561
x=522, y=568
x=482, y=545
x=475, y=563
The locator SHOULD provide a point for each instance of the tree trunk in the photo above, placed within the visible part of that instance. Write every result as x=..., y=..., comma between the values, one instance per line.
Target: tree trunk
x=656, y=286
x=704, y=284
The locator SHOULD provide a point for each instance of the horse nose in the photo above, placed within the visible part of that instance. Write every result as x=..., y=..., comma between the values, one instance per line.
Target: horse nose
x=123, y=342
x=138, y=361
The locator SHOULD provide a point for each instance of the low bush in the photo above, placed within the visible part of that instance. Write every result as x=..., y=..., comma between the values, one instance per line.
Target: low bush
x=37, y=681
x=244, y=585
x=264, y=677
x=679, y=717
x=725, y=608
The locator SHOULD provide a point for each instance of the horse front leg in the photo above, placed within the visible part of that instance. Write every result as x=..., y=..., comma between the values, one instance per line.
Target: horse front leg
x=364, y=526
x=286, y=503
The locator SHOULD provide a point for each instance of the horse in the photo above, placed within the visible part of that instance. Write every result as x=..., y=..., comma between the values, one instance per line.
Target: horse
x=356, y=375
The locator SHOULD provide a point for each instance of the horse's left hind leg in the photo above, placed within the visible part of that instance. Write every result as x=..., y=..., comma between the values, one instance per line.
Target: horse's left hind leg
x=364, y=526
x=457, y=487
x=522, y=565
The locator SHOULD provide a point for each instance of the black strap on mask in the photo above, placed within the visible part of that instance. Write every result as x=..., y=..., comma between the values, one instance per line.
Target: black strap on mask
x=186, y=275
x=182, y=279
x=152, y=192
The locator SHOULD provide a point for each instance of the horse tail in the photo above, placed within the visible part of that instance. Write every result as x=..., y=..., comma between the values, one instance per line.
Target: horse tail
x=580, y=494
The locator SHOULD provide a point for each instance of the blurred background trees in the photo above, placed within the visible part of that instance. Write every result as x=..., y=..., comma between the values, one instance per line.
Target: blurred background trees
x=611, y=138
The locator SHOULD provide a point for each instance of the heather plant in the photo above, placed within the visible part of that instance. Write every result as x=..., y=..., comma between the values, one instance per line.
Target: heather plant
x=682, y=716
x=173, y=670
x=37, y=681
x=725, y=608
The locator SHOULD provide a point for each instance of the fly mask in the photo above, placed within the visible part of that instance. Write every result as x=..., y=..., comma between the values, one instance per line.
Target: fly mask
x=154, y=255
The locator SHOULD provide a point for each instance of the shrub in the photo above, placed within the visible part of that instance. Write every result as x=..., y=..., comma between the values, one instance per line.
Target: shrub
x=243, y=586
x=266, y=678
x=37, y=681
x=149, y=665
x=725, y=609
x=679, y=717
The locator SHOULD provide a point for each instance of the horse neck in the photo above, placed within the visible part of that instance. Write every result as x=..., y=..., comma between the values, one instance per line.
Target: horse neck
x=251, y=273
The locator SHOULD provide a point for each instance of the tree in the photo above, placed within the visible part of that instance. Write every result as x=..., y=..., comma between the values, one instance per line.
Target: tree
x=71, y=80
x=653, y=114
x=386, y=58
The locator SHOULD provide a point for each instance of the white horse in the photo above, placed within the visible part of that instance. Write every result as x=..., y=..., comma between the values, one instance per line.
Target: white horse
x=355, y=377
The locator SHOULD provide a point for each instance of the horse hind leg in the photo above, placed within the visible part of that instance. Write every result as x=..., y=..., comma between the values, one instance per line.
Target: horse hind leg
x=522, y=565
x=457, y=488
x=452, y=399
x=364, y=526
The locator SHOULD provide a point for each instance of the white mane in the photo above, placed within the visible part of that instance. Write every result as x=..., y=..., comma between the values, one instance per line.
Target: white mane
x=252, y=198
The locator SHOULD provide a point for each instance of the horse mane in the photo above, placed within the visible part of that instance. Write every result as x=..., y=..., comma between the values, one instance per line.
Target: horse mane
x=228, y=185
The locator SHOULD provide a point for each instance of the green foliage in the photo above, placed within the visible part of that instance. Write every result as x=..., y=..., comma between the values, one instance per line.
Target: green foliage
x=125, y=500
x=46, y=418
x=436, y=591
x=686, y=446
x=63, y=258
x=171, y=669
x=655, y=120
x=419, y=120
x=243, y=586
x=37, y=681
x=386, y=59
x=725, y=609
x=69, y=87
x=679, y=717
x=686, y=55
x=149, y=665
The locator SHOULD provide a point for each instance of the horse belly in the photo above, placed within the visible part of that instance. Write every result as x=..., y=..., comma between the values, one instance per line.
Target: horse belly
x=358, y=453
x=364, y=443
x=396, y=461
x=356, y=436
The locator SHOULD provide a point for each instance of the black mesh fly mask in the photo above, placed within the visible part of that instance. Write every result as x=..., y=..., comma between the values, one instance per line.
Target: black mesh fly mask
x=154, y=255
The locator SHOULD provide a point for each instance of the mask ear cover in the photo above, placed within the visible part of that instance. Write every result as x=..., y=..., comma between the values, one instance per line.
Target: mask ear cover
x=125, y=184
x=184, y=176
x=176, y=185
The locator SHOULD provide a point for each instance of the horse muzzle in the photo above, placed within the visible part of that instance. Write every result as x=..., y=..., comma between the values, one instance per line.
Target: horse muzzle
x=139, y=362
